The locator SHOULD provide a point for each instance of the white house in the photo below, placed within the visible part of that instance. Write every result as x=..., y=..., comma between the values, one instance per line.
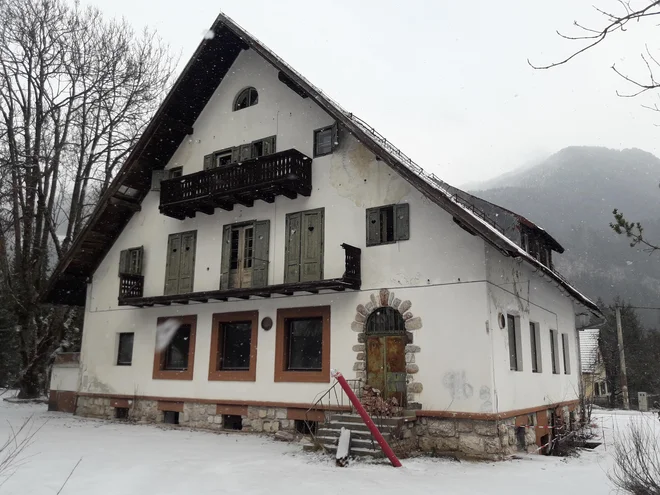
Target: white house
x=271, y=235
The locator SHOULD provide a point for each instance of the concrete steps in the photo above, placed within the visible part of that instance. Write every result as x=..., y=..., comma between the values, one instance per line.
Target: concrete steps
x=362, y=441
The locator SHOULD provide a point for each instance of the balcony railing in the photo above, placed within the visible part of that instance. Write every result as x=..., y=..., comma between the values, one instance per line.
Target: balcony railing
x=286, y=173
x=131, y=287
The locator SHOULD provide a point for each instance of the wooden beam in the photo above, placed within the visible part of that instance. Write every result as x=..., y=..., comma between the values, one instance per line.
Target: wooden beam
x=242, y=200
x=129, y=205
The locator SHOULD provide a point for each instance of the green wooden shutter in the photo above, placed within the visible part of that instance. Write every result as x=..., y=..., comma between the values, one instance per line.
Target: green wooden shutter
x=261, y=246
x=245, y=152
x=401, y=222
x=173, y=262
x=136, y=255
x=335, y=137
x=235, y=154
x=208, y=162
x=225, y=257
x=124, y=260
x=269, y=145
x=187, y=271
x=292, y=248
x=156, y=177
x=373, y=227
x=311, y=255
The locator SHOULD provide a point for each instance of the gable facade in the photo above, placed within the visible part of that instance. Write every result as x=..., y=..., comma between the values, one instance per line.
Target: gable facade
x=422, y=320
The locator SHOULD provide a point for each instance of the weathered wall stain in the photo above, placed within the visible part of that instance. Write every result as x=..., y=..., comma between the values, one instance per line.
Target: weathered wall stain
x=353, y=172
x=459, y=388
x=486, y=400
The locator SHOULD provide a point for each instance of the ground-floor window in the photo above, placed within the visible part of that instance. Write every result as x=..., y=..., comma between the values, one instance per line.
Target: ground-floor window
x=234, y=346
x=175, y=348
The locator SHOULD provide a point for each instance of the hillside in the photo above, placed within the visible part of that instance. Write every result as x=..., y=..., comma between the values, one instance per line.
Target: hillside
x=572, y=195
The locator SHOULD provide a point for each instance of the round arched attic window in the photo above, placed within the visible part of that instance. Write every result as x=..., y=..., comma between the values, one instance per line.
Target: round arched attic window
x=246, y=98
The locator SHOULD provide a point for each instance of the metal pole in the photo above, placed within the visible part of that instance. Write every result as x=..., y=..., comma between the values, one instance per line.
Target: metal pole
x=387, y=450
x=622, y=358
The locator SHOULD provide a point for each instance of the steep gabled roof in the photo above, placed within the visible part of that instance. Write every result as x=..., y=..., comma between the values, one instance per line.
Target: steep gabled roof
x=174, y=120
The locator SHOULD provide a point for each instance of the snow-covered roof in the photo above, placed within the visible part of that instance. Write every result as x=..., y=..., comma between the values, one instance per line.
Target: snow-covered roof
x=589, y=349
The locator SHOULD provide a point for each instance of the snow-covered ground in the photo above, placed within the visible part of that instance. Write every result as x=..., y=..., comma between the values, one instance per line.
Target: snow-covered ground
x=137, y=459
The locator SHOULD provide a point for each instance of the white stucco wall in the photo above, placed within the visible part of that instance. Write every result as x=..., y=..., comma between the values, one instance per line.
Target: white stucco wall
x=442, y=270
x=65, y=377
x=515, y=289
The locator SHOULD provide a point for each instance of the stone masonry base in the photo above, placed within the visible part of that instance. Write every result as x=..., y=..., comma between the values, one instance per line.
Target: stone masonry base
x=427, y=435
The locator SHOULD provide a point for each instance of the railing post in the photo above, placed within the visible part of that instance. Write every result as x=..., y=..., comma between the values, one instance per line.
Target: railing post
x=387, y=450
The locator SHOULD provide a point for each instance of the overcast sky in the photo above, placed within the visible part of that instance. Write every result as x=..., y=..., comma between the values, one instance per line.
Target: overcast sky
x=447, y=81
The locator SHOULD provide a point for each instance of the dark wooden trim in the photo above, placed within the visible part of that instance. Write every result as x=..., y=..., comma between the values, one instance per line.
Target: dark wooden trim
x=336, y=284
x=225, y=402
x=493, y=416
x=159, y=356
x=130, y=205
x=305, y=415
x=120, y=403
x=248, y=375
x=281, y=374
x=62, y=400
x=231, y=409
x=170, y=406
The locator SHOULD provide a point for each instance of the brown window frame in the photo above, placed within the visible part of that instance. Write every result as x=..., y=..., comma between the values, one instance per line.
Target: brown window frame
x=249, y=375
x=281, y=373
x=159, y=373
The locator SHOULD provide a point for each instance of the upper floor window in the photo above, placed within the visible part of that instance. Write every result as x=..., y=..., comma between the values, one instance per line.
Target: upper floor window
x=324, y=140
x=246, y=98
x=388, y=224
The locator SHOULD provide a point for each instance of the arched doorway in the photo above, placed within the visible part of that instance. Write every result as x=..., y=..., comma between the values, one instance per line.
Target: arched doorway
x=386, y=353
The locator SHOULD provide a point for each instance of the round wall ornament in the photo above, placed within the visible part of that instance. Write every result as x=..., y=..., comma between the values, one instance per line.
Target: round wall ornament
x=501, y=320
x=267, y=323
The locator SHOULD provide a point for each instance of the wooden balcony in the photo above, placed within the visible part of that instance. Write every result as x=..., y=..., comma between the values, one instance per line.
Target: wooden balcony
x=287, y=173
x=351, y=280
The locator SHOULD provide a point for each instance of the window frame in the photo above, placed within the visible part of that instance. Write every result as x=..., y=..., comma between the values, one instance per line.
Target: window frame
x=317, y=132
x=159, y=371
x=126, y=258
x=119, y=341
x=554, y=352
x=251, y=103
x=175, y=172
x=566, y=353
x=249, y=375
x=397, y=236
x=535, y=347
x=284, y=375
x=515, y=342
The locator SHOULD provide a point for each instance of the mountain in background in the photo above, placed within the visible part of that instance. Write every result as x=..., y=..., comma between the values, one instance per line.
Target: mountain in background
x=572, y=194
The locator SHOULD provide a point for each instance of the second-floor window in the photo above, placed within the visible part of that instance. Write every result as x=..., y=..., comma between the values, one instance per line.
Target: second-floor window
x=255, y=149
x=130, y=261
x=303, y=258
x=324, y=140
x=244, y=260
x=180, y=267
x=388, y=224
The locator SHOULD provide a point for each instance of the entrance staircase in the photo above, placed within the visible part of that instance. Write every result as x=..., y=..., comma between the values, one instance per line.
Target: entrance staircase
x=362, y=441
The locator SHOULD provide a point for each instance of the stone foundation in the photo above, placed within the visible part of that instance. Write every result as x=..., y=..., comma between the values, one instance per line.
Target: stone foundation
x=194, y=415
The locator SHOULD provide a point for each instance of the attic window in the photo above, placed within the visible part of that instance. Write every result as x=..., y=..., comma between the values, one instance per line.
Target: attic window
x=246, y=98
x=128, y=191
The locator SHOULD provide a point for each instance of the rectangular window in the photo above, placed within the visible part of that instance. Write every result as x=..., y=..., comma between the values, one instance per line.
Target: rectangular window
x=388, y=224
x=176, y=172
x=535, y=344
x=302, y=351
x=566, y=352
x=304, y=344
x=303, y=250
x=125, y=349
x=234, y=346
x=554, y=352
x=180, y=263
x=176, y=352
x=174, y=357
x=324, y=140
x=130, y=261
x=245, y=249
x=514, y=343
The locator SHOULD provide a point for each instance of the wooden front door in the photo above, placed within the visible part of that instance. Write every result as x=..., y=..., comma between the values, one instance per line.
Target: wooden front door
x=386, y=354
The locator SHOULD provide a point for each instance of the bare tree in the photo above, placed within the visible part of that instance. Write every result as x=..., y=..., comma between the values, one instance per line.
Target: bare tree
x=76, y=90
x=637, y=458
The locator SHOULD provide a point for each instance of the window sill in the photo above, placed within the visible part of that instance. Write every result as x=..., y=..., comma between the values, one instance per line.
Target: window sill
x=233, y=375
x=173, y=375
x=384, y=243
x=303, y=376
x=314, y=155
x=124, y=364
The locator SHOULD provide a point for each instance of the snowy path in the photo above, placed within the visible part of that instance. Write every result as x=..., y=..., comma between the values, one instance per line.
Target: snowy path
x=131, y=459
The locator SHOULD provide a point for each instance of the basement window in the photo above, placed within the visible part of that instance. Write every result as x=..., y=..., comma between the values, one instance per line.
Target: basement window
x=307, y=427
x=232, y=422
x=171, y=417
x=121, y=412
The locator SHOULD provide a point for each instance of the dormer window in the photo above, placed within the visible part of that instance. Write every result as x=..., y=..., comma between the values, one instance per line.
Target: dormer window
x=246, y=98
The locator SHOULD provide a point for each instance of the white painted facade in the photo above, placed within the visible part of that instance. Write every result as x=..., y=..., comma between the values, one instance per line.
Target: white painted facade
x=456, y=283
